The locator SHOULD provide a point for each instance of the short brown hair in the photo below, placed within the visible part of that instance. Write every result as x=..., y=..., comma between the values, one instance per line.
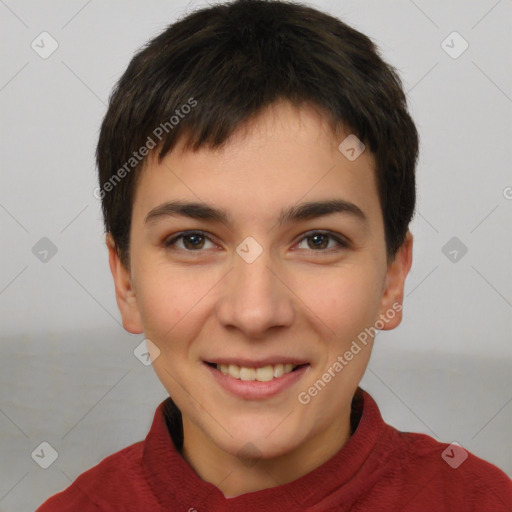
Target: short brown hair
x=234, y=60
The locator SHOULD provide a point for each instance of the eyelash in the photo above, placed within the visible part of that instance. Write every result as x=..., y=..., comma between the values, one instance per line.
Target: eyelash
x=343, y=244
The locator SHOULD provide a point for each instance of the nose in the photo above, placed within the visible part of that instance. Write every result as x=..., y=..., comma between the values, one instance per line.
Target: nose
x=255, y=298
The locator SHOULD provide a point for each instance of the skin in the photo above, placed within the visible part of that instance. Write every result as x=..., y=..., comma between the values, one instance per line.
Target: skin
x=294, y=300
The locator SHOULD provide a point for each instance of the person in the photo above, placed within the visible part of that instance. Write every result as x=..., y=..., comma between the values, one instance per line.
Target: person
x=257, y=178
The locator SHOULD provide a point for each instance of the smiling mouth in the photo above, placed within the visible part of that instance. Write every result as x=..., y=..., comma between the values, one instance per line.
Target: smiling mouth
x=261, y=374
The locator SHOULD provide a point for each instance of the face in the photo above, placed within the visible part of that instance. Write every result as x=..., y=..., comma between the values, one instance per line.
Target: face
x=257, y=281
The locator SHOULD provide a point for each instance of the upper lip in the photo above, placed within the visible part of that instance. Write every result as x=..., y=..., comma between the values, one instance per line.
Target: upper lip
x=257, y=363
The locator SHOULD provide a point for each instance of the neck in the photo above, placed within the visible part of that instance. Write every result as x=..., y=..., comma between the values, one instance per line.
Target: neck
x=234, y=476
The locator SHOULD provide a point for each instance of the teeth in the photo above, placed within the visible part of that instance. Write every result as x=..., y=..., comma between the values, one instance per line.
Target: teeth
x=263, y=374
x=278, y=370
x=247, y=373
x=234, y=371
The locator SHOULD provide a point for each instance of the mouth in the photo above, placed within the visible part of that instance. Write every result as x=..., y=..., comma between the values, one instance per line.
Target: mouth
x=263, y=373
x=257, y=380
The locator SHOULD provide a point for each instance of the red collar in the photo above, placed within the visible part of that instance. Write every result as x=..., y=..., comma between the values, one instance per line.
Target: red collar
x=349, y=471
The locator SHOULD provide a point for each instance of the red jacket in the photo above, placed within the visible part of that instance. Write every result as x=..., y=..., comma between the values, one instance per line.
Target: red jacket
x=378, y=469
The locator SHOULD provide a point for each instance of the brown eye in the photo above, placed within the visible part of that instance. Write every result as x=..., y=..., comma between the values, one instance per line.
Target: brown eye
x=319, y=242
x=191, y=242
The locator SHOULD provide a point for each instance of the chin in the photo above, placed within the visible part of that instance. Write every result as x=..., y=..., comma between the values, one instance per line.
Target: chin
x=262, y=440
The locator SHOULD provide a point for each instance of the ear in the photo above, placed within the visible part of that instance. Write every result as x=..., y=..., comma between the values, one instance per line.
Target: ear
x=392, y=298
x=125, y=294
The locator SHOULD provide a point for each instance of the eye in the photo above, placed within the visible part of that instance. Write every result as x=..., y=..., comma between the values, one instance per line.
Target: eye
x=192, y=241
x=320, y=242
x=317, y=241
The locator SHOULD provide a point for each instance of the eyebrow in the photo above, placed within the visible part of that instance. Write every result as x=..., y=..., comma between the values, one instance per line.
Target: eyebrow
x=300, y=212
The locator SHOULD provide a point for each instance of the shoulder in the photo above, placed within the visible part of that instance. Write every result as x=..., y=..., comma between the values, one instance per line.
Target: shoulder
x=117, y=476
x=453, y=473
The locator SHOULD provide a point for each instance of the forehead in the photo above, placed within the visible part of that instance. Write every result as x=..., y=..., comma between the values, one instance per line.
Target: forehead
x=283, y=156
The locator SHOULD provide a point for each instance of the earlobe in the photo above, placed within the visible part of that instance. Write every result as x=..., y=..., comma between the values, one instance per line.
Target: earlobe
x=125, y=293
x=392, y=298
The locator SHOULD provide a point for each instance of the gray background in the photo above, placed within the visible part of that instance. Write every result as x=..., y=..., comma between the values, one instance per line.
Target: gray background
x=68, y=375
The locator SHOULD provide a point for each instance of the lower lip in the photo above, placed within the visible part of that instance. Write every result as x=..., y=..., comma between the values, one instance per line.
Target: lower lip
x=254, y=389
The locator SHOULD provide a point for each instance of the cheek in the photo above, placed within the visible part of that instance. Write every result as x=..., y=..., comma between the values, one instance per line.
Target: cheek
x=161, y=307
x=345, y=300
x=174, y=304
x=164, y=302
x=166, y=293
